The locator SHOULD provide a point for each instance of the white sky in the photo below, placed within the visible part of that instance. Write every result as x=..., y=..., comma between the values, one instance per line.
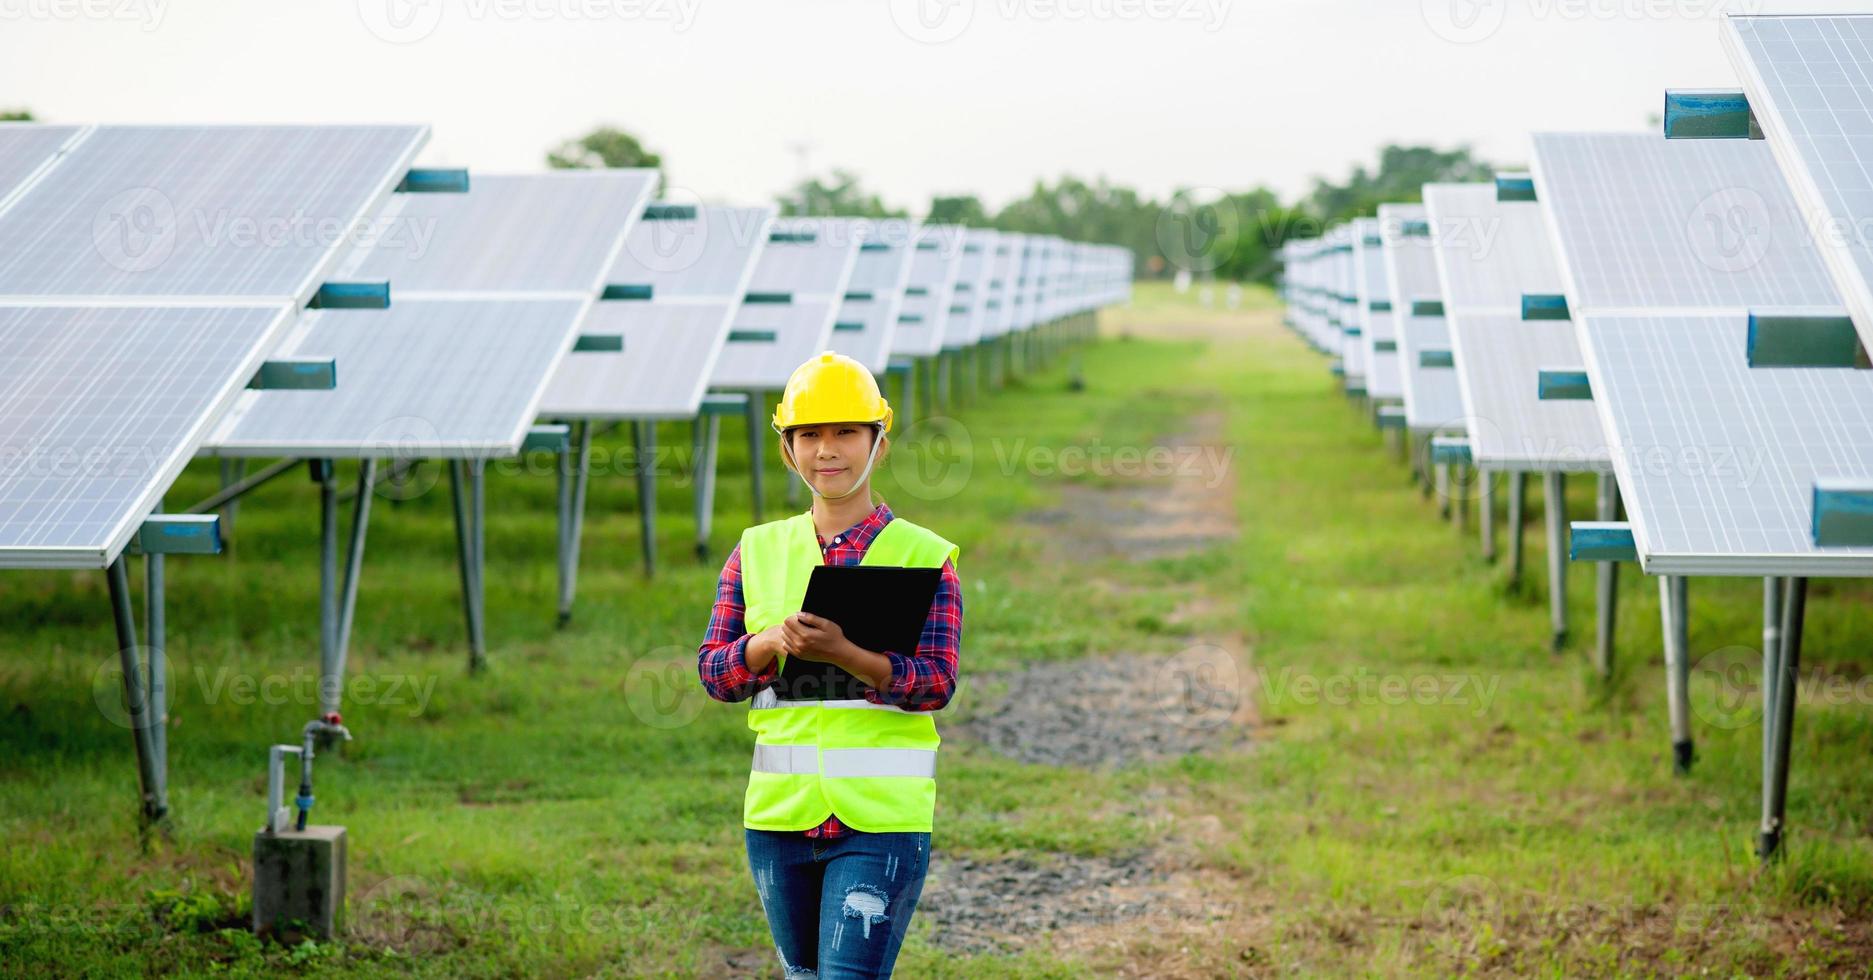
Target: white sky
x=1155, y=94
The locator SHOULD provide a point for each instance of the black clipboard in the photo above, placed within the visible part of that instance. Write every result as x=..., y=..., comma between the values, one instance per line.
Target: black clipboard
x=880, y=608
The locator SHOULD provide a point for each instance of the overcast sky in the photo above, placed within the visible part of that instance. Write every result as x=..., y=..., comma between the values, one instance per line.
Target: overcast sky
x=917, y=96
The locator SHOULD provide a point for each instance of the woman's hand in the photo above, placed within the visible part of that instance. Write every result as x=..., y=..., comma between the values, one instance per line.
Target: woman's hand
x=765, y=646
x=811, y=637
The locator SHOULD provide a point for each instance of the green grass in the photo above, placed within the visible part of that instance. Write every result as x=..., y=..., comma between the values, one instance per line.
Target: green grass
x=574, y=810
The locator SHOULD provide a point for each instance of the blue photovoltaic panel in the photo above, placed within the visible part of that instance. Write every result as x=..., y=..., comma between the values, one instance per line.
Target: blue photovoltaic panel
x=1488, y=252
x=1808, y=79
x=100, y=408
x=1717, y=461
x=1375, y=315
x=548, y=232
x=1645, y=223
x=807, y=257
x=1432, y=401
x=698, y=269
x=769, y=340
x=936, y=259
x=253, y=212
x=426, y=378
x=24, y=148
x=971, y=290
x=868, y=315
x=1003, y=287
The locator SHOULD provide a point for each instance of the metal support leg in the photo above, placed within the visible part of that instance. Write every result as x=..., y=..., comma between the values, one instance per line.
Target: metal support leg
x=1782, y=723
x=909, y=401
x=149, y=774
x=644, y=441
x=945, y=397
x=1442, y=484
x=468, y=501
x=326, y=472
x=1486, y=511
x=707, y=431
x=154, y=632
x=756, y=431
x=1460, y=494
x=1518, y=499
x=1554, y=507
x=563, y=506
x=1771, y=667
x=232, y=471
x=1674, y=609
x=1607, y=581
x=332, y=677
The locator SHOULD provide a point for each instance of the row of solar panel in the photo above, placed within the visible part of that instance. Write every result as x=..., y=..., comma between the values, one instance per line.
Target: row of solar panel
x=1641, y=262
x=148, y=272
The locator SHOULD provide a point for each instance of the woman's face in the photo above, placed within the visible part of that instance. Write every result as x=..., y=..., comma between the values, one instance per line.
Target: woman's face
x=832, y=456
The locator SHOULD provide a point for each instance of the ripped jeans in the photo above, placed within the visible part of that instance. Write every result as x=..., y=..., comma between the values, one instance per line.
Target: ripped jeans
x=838, y=908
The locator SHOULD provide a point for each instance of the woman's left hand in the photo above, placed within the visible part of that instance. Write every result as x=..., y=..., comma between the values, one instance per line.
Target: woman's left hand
x=811, y=637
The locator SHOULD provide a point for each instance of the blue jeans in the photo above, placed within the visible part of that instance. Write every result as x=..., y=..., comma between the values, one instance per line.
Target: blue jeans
x=838, y=908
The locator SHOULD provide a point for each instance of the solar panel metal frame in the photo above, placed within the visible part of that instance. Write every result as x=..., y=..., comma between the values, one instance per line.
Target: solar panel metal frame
x=876, y=294
x=1383, y=377
x=27, y=149
x=964, y=326
x=1003, y=287
x=1510, y=253
x=934, y=271
x=375, y=433
x=815, y=285
x=1433, y=402
x=614, y=385
x=1847, y=249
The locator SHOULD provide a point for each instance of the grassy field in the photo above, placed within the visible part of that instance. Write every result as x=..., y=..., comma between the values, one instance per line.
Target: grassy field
x=575, y=809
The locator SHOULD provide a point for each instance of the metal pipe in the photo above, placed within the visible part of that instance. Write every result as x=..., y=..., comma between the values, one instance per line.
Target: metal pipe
x=331, y=693
x=1554, y=507
x=1607, y=574
x=708, y=431
x=228, y=494
x=478, y=503
x=1518, y=500
x=644, y=441
x=1674, y=610
x=155, y=794
x=154, y=630
x=1771, y=668
x=1775, y=796
x=328, y=566
x=1486, y=511
x=563, y=505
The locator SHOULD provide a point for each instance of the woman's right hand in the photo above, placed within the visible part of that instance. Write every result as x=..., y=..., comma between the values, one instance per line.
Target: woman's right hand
x=764, y=647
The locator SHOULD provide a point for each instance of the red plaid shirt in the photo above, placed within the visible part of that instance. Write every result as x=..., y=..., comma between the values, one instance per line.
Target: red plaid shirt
x=920, y=681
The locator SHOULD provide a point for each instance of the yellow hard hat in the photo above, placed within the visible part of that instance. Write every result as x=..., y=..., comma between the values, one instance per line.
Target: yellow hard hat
x=831, y=387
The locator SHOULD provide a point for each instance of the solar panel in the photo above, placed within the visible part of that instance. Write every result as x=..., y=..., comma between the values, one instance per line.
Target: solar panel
x=100, y=408
x=970, y=293
x=868, y=314
x=547, y=232
x=1378, y=338
x=425, y=378
x=1002, y=295
x=936, y=260
x=252, y=212
x=1717, y=461
x=1432, y=401
x=1489, y=253
x=697, y=270
x=1643, y=223
x=1808, y=79
x=26, y=147
x=457, y=369
x=798, y=285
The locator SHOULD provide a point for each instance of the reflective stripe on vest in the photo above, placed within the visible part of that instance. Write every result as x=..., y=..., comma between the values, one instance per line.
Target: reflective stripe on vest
x=845, y=763
x=873, y=765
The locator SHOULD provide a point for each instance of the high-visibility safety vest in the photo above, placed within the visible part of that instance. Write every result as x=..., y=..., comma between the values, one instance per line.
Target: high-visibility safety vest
x=874, y=765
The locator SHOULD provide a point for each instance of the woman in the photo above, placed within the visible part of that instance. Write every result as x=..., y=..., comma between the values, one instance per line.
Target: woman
x=842, y=792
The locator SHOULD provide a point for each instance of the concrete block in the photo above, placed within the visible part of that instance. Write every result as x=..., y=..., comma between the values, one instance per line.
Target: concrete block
x=299, y=883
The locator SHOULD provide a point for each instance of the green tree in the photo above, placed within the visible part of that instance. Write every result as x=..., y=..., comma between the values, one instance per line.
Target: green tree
x=837, y=195
x=961, y=209
x=606, y=146
x=1403, y=172
x=16, y=115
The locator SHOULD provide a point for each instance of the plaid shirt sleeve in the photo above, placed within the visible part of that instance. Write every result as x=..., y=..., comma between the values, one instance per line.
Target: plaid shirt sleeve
x=722, y=660
x=925, y=680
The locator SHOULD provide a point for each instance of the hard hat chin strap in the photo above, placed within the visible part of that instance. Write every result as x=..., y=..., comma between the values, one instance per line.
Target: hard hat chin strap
x=871, y=459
